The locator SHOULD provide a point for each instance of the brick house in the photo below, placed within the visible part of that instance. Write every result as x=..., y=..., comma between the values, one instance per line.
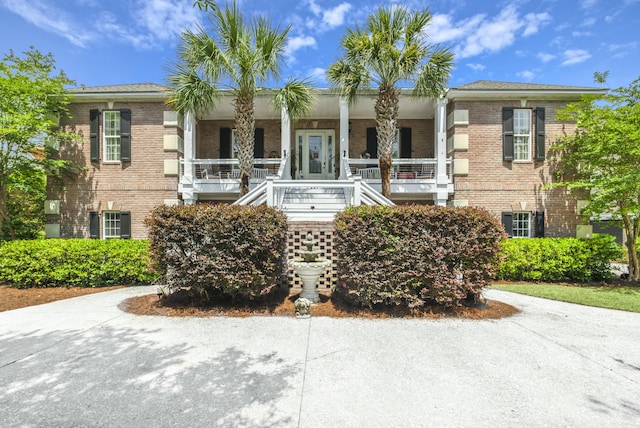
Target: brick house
x=483, y=144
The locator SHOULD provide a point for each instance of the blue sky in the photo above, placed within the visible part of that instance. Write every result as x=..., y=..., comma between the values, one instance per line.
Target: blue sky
x=100, y=42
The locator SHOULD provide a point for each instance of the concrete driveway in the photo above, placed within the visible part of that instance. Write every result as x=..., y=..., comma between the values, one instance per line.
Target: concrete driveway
x=82, y=362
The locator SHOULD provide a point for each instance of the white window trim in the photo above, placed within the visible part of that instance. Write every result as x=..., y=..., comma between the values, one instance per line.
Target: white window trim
x=105, y=136
x=104, y=225
x=528, y=136
x=514, y=222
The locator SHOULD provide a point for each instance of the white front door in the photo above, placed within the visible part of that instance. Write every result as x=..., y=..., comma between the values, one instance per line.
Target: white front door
x=315, y=159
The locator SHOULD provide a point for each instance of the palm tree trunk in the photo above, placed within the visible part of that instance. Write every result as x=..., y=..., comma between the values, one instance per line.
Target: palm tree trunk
x=386, y=118
x=245, y=129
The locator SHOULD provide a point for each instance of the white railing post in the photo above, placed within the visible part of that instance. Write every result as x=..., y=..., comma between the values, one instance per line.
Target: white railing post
x=357, y=191
x=442, y=180
x=187, y=178
x=270, y=199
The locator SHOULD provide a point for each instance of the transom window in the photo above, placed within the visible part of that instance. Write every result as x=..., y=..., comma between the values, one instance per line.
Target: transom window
x=112, y=136
x=522, y=134
x=521, y=225
x=111, y=221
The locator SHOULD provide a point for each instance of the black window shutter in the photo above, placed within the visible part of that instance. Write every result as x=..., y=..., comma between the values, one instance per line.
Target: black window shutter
x=539, y=225
x=225, y=143
x=94, y=135
x=125, y=135
x=507, y=134
x=372, y=142
x=507, y=222
x=125, y=224
x=540, y=134
x=94, y=225
x=258, y=143
x=405, y=142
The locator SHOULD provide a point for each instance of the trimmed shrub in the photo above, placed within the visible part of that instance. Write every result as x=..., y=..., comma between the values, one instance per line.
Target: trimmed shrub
x=412, y=255
x=559, y=259
x=227, y=250
x=75, y=262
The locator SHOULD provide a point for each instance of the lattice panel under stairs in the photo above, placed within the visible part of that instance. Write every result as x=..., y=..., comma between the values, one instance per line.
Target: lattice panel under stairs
x=323, y=236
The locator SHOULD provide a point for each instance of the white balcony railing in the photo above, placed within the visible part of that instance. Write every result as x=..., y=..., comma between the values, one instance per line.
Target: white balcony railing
x=422, y=169
x=212, y=170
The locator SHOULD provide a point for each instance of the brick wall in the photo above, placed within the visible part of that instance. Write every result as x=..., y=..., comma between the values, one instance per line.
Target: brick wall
x=422, y=136
x=135, y=186
x=511, y=186
x=323, y=236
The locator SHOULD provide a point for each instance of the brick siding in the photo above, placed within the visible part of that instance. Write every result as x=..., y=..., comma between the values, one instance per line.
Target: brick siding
x=137, y=186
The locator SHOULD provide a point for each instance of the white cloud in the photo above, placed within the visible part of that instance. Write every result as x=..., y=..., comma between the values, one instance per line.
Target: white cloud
x=534, y=22
x=50, y=18
x=151, y=22
x=526, y=75
x=330, y=18
x=588, y=4
x=492, y=35
x=575, y=56
x=582, y=33
x=319, y=75
x=621, y=50
x=442, y=29
x=164, y=19
x=544, y=56
x=299, y=42
x=335, y=17
x=476, y=67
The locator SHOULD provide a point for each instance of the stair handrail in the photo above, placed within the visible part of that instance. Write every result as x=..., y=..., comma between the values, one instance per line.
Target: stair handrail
x=374, y=195
x=254, y=194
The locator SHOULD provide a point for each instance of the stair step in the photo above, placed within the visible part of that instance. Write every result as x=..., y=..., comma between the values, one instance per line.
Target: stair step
x=312, y=198
x=316, y=190
x=315, y=206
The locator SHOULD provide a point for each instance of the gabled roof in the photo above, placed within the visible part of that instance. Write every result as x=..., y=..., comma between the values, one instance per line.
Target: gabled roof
x=129, y=92
x=493, y=85
x=134, y=87
x=494, y=89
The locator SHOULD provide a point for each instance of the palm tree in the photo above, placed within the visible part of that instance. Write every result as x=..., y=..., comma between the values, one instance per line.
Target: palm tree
x=390, y=49
x=239, y=57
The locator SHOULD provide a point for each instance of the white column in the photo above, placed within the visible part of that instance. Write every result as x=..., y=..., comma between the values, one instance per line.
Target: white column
x=442, y=180
x=285, y=140
x=344, y=133
x=188, y=194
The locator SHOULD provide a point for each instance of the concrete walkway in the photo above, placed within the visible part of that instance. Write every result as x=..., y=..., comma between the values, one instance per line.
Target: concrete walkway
x=82, y=362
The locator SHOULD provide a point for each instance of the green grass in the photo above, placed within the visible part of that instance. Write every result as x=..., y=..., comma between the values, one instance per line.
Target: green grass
x=624, y=298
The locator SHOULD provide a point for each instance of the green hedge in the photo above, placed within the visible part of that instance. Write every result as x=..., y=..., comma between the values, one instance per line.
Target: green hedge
x=75, y=262
x=559, y=259
x=412, y=255
x=226, y=250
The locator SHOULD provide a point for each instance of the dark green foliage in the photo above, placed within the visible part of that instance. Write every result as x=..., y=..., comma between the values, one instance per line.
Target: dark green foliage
x=75, y=262
x=559, y=259
x=219, y=249
x=412, y=255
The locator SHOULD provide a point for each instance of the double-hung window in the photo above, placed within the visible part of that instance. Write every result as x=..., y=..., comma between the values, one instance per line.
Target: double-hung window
x=111, y=224
x=112, y=143
x=111, y=136
x=522, y=134
x=521, y=225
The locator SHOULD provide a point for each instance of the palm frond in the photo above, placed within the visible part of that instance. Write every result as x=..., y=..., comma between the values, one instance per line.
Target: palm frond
x=433, y=75
x=296, y=97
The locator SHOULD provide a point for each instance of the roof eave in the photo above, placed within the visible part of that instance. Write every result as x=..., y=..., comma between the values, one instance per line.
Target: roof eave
x=559, y=94
x=118, y=96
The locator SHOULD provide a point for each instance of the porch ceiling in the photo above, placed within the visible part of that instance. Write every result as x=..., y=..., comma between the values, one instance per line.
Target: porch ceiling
x=327, y=107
